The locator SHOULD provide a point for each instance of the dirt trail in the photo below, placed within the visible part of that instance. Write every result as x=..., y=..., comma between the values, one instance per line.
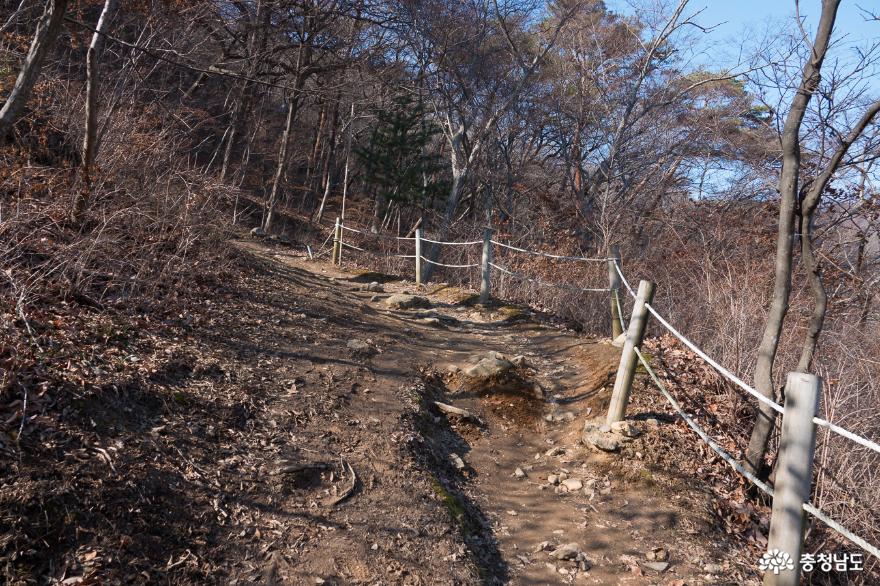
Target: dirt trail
x=628, y=507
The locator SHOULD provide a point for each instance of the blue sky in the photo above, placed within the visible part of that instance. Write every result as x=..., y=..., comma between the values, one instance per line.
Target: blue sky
x=738, y=20
x=738, y=15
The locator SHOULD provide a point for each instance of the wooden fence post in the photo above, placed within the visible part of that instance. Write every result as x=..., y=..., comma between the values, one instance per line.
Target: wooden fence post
x=485, y=285
x=614, y=285
x=626, y=371
x=794, y=475
x=418, y=256
x=337, y=242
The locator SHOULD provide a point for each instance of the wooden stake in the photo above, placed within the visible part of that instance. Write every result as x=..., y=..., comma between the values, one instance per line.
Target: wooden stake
x=614, y=285
x=337, y=242
x=485, y=285
x=794, y=475
x=626, y=371
x=418, y=256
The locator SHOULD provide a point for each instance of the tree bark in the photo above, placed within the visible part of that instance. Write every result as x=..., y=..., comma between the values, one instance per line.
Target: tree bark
x=329, y=161
x=90, y=141
x=788, y=191
x=282, y=161
x=44, y=39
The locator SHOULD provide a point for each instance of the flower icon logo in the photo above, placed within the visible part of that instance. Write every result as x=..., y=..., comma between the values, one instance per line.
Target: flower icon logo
x=776, y=561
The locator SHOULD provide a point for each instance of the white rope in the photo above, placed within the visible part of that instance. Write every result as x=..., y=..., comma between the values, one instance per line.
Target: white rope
x=699, y=430
x=323, y=246
x=347, y=245
x=622, y=278
x=543, y=283
x=847, y=434
x=375, y=235
x=872, y=549
x=726, y=373
x=547, y=254
x=427, y=260
x=453, y=243
x=736, y=380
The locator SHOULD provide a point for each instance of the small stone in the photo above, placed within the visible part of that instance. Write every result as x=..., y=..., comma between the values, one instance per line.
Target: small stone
x=518, y=473
x=258, y=232
x=512, y=513
x=573, y=484
x=457, y=461
x=357, y=345
x=605, y=428
x=657, y=554
x=543, y=546
x=429, y=321
x=519, y=361
x=625, y=428
x=553, y=479
x=713, y=568
x=658, y=567
x=554, y=451
x=652, y=421
x=374, y=287
x=568, y=551
x=374, y=547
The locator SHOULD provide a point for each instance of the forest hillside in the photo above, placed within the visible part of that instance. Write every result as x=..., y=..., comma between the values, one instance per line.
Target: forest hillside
x=349, y=291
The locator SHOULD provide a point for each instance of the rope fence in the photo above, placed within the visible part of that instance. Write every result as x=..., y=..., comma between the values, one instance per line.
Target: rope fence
x=786, y=488
x=791, y=526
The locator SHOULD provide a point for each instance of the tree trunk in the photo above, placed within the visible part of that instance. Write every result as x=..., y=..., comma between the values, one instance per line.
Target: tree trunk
x=44, y=38
x=328, y=163
x=282, y=161
x=788, y=191
x=90, y=142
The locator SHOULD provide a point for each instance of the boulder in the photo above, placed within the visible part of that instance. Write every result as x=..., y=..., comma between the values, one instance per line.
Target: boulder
x=491, y=365
x=258, y=232
x=594, y=435
x=404, y=301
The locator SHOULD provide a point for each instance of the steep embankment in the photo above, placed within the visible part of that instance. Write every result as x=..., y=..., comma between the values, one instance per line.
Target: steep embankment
x=286, y=431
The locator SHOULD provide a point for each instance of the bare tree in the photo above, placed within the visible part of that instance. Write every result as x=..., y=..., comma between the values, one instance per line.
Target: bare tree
x=798, y=202
x=90, y=141
x=44, y=39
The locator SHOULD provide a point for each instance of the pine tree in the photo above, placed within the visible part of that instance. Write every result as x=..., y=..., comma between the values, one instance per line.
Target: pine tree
x=397, y=158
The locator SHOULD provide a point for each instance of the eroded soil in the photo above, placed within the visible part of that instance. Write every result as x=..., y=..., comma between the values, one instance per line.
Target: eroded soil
x=287, y=434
